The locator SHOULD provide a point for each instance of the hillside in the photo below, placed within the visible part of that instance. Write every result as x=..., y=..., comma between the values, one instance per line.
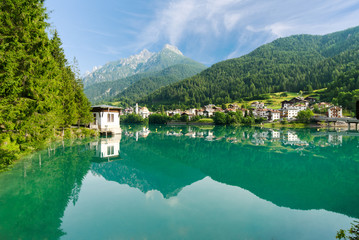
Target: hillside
x=294, y=63
x=162, y=68
x=139, y=85
x=159, y=79
x=144, y=62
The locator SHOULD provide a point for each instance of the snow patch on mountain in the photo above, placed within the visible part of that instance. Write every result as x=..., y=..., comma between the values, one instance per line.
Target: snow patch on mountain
x=173, y=49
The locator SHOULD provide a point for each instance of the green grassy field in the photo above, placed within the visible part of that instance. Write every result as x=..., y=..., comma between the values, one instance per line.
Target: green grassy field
x=275, y=99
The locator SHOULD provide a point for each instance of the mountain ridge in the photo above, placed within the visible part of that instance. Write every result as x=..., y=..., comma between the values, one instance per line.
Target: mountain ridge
x=139, y=63
x=286, y=64
x=149, y=68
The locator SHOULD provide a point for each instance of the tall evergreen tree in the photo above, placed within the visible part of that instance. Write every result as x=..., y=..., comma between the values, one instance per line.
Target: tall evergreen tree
x=38, y=89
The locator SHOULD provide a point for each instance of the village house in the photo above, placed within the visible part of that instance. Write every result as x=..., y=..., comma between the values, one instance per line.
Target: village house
x=335, y=112
x=171, y=113
x=106, y=119
x=233, y=106
x=192, y=111
x=296, y=102
x=208, y=113
x=289, y=113
x=230, y=110
x=311, y=100
x=190, y=116
x=127, y=111
x=263, y=113
x=324, y=105
x=273, y=115
x=200, y=112
x=144, y=112
x=209, y=110
x=257, y=105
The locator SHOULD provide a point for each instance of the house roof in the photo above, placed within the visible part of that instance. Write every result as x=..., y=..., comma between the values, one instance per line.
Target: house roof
x=104, y=107
x=144, y=109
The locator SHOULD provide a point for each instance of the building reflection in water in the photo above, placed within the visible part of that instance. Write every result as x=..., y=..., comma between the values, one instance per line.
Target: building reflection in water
x=256, y=136
x=107, y=149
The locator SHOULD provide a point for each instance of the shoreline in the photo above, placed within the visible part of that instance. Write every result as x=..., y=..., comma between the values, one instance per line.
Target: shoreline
x=16, y=151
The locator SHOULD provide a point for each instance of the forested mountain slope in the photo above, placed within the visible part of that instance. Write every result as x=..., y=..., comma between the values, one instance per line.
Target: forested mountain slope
x=288, y=64
x=144, y=62
x=165, y=77
x=131, y=88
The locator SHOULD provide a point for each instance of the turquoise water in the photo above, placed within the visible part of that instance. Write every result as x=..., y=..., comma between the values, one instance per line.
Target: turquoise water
x=186, y=183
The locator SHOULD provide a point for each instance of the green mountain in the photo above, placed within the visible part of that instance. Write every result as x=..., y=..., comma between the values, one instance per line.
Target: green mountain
x=143, y=62
x=147, y=85
x=294, y=63
x=167, y=66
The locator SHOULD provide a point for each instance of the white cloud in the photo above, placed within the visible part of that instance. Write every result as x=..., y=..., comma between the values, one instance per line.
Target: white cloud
x=214, y=23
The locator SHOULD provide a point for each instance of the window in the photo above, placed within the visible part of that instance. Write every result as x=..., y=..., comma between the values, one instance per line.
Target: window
x=110, y=117
x=110, y=150
x=94, y=118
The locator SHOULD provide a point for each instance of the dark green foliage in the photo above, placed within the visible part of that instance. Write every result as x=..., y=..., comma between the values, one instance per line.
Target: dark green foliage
x=195, y=118
x=158, y=118
x=184, y=118
x=163, y=78
x=284, y=121
x=295, y=63
x=353, y=231
x=39, y=91
x=344, y=90
x=305, y=116
x=219, y=118
x=233, y=118
x=132, y=118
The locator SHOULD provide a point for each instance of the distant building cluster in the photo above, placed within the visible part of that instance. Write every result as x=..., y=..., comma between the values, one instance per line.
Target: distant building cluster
x=289, y=110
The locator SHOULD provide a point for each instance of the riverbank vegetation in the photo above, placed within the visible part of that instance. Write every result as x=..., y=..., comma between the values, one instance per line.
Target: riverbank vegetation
x=40, y=91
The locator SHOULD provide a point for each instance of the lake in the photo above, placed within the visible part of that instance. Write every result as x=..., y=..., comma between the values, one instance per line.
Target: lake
x=186, y=183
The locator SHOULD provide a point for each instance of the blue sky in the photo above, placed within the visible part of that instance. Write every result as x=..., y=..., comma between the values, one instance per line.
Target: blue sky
x=209, y=31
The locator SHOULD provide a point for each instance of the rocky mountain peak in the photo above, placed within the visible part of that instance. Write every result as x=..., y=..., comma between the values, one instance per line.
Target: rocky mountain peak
x=173, y=49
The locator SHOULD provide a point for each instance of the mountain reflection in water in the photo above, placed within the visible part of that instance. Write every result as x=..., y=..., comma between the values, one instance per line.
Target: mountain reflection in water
x=297, y=169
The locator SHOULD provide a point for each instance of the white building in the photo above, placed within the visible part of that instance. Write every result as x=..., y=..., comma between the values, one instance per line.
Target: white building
x=192, y=111
x=261, y=113
x=106, y=119
x=257, y=104
x=300, y=107
x=290, y=113
x=107, y=149
x=274, y=115
x=144, y=112
x=335, y=112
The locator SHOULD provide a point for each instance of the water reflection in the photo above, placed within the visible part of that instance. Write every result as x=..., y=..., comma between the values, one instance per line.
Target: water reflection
x=256, y=136
x=190, y=169
x=106, y=149
x=300, y=169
